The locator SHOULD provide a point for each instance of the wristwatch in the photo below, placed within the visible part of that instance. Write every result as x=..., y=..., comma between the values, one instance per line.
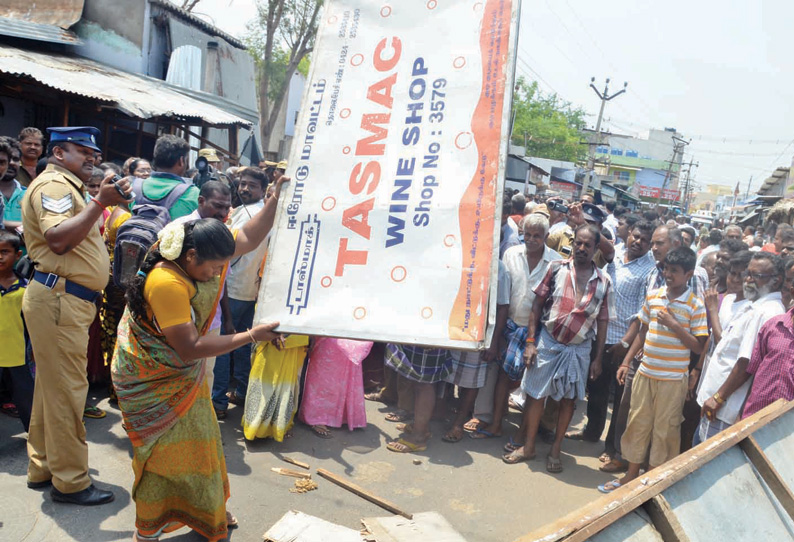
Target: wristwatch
x=624, y=344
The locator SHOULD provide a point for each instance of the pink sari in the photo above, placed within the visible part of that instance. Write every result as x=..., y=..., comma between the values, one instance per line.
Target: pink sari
x=333, y=393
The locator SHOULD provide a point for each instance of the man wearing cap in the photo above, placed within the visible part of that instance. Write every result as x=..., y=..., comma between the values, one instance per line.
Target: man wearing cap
x=593, y=214
x=71, y=271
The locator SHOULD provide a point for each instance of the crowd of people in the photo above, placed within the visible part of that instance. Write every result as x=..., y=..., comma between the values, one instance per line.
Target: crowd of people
x=686, y=330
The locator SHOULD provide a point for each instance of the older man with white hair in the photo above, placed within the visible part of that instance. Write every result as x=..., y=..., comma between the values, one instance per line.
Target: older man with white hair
x=526, y=265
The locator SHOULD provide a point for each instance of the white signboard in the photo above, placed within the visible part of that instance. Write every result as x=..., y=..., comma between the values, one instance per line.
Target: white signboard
x=389, y=227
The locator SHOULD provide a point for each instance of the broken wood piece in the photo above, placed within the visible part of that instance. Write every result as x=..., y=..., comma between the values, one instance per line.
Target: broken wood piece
x=296, y=462
x=290, y=472
x=363, y=493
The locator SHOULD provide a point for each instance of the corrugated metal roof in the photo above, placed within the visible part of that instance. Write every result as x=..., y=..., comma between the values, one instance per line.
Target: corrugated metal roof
x=17, y=28
x=136, y=95
x=61, y=13
x=199, y=22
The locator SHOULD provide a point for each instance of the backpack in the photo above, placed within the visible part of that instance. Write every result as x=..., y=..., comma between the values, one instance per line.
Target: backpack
x=137, y=235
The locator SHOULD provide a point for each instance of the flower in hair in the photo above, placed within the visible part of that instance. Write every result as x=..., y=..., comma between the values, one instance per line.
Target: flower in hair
x=171, y=239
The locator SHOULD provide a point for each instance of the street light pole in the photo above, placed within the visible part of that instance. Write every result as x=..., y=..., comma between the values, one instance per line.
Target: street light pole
x=604, y=97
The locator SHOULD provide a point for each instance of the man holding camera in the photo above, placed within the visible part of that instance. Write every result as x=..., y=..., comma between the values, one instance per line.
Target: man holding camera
x=59, y=305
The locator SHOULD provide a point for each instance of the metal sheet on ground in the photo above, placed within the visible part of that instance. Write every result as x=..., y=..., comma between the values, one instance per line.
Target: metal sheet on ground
x=776, y=439
x=296, y=526
x=725, y=500
x=424, y=526
x=389, y=226
x=633, y=527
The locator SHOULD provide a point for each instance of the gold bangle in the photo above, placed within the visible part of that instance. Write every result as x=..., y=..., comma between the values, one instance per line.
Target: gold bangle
x=250, y=335
x=718, y=398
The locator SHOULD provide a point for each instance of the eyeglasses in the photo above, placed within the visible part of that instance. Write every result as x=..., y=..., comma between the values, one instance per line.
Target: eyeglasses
x=757, y=276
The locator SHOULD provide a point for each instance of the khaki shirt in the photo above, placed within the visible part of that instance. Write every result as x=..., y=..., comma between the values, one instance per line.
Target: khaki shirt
x=55, y=196
x=561, y=241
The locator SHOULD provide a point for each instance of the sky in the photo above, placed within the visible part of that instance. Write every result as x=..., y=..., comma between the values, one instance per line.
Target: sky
x=717, y=71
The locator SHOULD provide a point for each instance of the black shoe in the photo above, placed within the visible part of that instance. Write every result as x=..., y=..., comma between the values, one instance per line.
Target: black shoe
x=39, y=485
x=90, y=496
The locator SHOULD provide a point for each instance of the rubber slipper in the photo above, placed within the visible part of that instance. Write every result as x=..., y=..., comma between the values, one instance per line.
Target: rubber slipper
x=10, y=409
x=231, y=521
x=407, y=428
x=483, y=433
x=94, y=412
x=609, y=487
x=452, y=437
x=514, y=457
x=605, y=457
x=321, y=431
x=511, y=446
x=399, y=416
x=402, y=446
x=553, y=465
x=472, y=425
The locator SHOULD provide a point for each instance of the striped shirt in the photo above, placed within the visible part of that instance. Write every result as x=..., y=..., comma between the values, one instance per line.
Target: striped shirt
x=567, y=321
x=666, y=357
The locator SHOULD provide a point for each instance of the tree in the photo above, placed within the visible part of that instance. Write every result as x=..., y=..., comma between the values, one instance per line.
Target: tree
x=279, y=39
x=188, y=5
x=548, y=126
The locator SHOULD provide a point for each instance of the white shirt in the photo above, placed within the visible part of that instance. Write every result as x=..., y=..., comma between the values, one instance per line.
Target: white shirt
x=241, y=279
x=523, y=282
x=738, y=340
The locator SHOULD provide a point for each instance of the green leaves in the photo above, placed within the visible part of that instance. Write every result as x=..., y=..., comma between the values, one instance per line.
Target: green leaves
x=548, y=126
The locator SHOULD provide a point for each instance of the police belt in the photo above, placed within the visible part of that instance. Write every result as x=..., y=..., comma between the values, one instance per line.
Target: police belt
x=49, y=280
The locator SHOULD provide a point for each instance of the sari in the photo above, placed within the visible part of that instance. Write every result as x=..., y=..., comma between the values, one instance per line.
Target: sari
x=272, y=396
x=113, y=302
x=333, y=393
x=178, y=462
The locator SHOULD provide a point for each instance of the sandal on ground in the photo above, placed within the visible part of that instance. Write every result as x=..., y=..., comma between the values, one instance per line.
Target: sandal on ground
x=511, y=446
x=472, y=425
x=483, y=433
x=453, y=436
x=231, y=521
x=609, y=487
x=140, y=538
x=399, y=416
x=374, y=396
x=406, y=428
x=93, y=412
x=402, y=446
x=614, y=465
x=606, y=457
x=220, y=413
x=514, y=457
x=321, y=431
x=235, y=399
x=581, y=435
x=10, y=409
x=553, y=464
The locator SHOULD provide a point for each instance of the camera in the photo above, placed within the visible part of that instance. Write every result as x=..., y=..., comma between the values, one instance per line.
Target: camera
x=558, y=206
x=205, y=172
x=116, y=179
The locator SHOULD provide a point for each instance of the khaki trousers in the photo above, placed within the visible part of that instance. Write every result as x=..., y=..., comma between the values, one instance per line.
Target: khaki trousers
x=655, y=416
x=58, y=326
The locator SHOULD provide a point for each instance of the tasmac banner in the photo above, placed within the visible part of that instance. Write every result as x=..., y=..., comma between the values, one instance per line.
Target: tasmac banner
x=389, y=226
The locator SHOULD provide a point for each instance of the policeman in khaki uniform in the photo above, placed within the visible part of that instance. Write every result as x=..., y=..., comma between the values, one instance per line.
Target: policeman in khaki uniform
x=72, y=263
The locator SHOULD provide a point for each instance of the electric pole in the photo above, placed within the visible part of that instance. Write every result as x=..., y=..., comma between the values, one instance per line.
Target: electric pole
x=678, y=147
x=604, y=97
x=687, y=186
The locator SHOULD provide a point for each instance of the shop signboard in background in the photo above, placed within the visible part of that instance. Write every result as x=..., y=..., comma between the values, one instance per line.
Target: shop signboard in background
x=388, y=228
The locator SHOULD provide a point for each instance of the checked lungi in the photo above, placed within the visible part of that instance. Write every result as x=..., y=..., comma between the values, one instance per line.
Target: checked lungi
x=423, y=365
x=560, y=370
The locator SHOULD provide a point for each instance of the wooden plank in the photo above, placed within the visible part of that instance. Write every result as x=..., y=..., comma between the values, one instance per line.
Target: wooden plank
x=296, y=462
x=363, y=493
x=635, y=526
x=769, y=473
x=665, y=520
x=590, y=519
x=290, y=472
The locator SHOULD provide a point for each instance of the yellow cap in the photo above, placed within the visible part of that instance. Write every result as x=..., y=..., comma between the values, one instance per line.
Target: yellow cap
x=209, y=154
x=268, y=163
x=541, y=210
x=282, y=165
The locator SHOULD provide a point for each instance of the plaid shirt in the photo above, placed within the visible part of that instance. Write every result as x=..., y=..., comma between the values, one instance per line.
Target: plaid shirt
x=565, y=320
x=772, y=364
x=630, y=283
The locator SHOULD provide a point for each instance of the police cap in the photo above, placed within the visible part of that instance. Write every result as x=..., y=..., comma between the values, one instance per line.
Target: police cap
x=85, y=136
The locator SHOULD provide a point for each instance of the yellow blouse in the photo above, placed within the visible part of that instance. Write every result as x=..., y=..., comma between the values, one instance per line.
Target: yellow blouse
x=167, y=293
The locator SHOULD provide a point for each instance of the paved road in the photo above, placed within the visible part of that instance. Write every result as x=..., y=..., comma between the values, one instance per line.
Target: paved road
x=484, y=499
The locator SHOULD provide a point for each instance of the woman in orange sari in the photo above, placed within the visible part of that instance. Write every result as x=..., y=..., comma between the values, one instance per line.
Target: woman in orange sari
x=159, y=374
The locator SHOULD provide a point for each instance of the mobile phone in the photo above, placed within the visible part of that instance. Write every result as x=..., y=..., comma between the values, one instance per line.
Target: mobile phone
x=116, y=180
